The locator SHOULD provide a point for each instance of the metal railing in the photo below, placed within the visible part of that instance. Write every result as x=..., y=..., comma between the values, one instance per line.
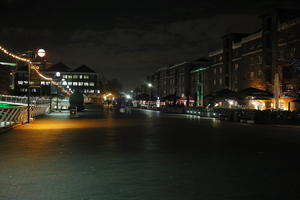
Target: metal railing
x=19, y=100
x=18, y=114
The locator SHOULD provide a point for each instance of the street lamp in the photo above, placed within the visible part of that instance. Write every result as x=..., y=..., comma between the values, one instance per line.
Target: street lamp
x=57, y=74
x=28, y=94
x=41, y=53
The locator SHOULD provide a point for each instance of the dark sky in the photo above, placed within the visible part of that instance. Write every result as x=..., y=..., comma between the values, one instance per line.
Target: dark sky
x=127, y=40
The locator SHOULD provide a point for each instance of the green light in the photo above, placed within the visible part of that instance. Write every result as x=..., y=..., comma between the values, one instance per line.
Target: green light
x=8, y=64
x=4, y=105
x=200, y=69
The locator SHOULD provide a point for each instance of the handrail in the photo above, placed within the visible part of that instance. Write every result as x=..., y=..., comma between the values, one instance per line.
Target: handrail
x=23, y=100
x=18, y=114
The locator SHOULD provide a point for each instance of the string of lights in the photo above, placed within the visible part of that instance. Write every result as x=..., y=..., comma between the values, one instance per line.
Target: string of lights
x=35, y=68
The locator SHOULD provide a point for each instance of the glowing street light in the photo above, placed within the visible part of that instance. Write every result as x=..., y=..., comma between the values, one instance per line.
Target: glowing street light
x=41, y=53
x=150, y=85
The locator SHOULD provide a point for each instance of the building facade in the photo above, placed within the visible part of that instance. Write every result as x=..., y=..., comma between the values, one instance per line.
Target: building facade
x=268, y=60
x=82, y=79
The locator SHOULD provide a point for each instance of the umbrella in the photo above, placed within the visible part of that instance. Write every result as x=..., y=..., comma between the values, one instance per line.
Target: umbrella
x=254, y=92
x=225, y=94
x=142, y=97
x=170, y=97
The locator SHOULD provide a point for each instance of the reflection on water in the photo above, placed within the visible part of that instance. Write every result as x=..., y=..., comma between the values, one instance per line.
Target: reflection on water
x=145, y=155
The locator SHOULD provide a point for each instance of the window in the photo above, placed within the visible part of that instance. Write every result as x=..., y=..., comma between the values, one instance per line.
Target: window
x=92, y=84
x=25, y=82
x=64, y=83
x=215, y=71
x=75, y=83
x=33, y=90
x=259, y=72
x=220, y=70
x=75, y=76
x=260, y=60
x=292, y=52
x=43, y=83
x=86, y=84
x=69, y=83
x=251, y=74
x=220, y=58
x=236, y=66
x=48, y=82
x=80, y=83
x=92, y=91
x=86, y=77
x=65, y=76
x=215, y=82
x=20, y=82
x=80, y=76
x=70, y=76
x=220, y=81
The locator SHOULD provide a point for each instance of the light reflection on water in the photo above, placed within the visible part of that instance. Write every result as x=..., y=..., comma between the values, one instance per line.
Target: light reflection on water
x=143, y=156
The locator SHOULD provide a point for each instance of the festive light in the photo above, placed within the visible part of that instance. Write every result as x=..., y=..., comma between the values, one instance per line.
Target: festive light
x=33, y=67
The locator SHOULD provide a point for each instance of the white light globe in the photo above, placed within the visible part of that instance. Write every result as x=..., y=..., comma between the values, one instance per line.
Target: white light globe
x=41, y=53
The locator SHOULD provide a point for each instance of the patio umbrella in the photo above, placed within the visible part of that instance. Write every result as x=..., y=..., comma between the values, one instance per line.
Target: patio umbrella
x=225, y=94
x=256, y=93
x=170, y=97
x=143, y=96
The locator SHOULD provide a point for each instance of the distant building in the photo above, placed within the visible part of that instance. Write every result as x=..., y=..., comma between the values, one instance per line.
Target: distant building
x=268, y=60
x=7, y=68
x=82, y=79
x=255, y=60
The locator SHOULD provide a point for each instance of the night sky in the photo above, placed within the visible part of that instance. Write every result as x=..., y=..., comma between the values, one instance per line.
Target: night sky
x=127, y=40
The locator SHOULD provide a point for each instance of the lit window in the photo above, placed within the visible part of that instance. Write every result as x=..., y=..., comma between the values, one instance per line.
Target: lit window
x=25, y=82
x=86, y=84
x=86, y=91
x=86, y=76
x=251, y=74
x=221, y=70
x=215, y=71
x=215, y=82
x=80, y=83
x=33, y=90
x=220, y=58
x=69, y=83
x=80, y=76
x=236, y=66
x=70, y=76
x=75, y=76
x=92, y=84
x=20, y=82
x=260, y=59
x=48, y=83
x=64, y=83
x=43, y=83
x=75, y=83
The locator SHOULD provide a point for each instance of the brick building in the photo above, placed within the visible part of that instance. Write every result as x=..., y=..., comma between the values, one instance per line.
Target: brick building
x=267, y=59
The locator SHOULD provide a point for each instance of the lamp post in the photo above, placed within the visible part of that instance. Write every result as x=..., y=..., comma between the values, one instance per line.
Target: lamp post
x=57, y=74
x=28, y=94
x=150, y=92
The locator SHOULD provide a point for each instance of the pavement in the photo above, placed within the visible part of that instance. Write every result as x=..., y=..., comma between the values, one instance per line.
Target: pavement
x=104, y=154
